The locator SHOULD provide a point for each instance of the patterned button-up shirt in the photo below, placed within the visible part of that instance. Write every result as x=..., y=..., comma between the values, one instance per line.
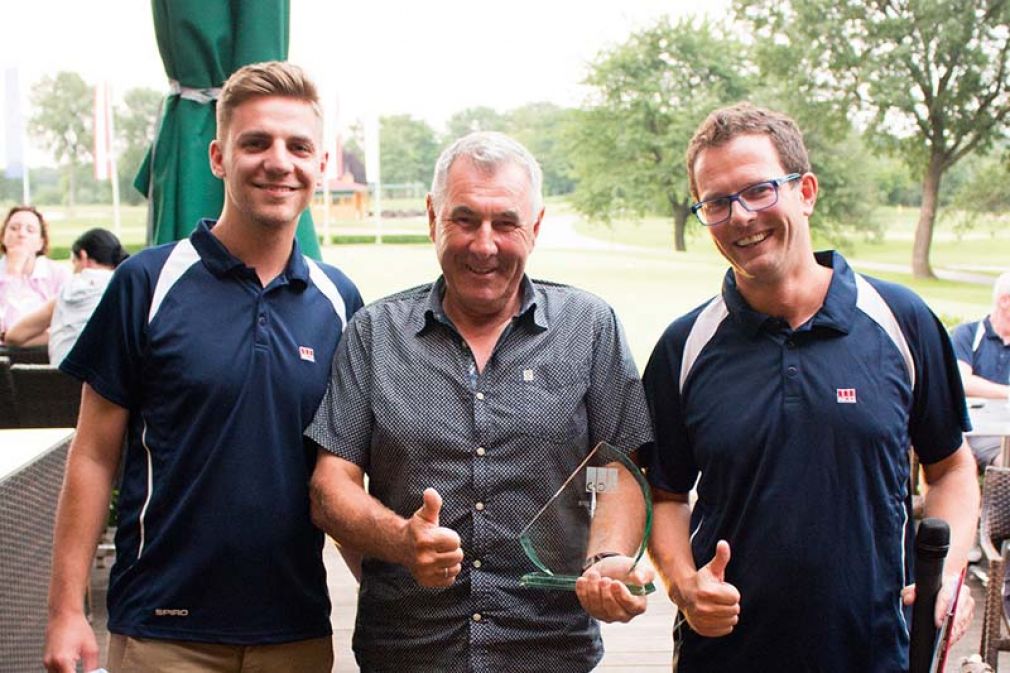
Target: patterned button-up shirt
x=407, y=404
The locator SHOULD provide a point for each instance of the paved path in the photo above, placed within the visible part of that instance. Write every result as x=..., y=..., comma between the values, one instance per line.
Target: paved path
x=963, y=275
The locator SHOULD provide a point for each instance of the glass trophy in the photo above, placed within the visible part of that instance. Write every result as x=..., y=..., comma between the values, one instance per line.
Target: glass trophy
x=603, y=509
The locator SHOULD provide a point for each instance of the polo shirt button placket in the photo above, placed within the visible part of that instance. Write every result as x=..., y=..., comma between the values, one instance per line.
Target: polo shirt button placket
x=261, y=327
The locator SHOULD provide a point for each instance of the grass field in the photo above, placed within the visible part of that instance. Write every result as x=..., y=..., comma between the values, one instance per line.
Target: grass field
x=648, y=284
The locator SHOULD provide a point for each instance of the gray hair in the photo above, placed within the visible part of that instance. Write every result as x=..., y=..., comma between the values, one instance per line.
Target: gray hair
x=489, y=150
x=1001, y=286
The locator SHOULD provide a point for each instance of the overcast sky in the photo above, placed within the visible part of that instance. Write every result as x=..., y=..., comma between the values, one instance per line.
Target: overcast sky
x=428, y=59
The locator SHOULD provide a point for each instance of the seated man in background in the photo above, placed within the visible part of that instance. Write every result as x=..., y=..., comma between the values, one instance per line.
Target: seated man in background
x=61, y=320
x=982, y=348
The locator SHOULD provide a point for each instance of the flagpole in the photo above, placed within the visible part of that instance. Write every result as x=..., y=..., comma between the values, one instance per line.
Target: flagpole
x=373, y=169
x=15, y=135
x=113, y=165
x=105, y=156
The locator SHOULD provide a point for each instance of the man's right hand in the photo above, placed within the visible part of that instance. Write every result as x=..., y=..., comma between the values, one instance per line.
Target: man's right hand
x=710, y=604
x=69, y=639
x=434, y=555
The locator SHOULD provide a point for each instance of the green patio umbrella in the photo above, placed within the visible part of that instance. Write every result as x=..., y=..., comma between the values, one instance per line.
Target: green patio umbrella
x=201, y=43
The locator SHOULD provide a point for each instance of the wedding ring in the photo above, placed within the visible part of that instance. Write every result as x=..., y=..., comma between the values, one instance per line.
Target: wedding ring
x=445, y=573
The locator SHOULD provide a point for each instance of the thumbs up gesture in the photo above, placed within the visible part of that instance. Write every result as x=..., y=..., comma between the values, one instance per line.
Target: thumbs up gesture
x=434, y=556
x=710, y=604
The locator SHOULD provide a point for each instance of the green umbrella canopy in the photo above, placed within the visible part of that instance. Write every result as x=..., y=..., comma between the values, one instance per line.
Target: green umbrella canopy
x=201, y=43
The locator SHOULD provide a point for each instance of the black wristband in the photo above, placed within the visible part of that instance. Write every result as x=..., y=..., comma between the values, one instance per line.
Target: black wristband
x=596, y=558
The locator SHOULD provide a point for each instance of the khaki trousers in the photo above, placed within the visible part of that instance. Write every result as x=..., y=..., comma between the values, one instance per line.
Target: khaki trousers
x=147, y=655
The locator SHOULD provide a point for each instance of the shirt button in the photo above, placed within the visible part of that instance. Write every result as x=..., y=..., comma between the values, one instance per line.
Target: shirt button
x=790, y=344
x=263, y=319
x=481, y=451
x=477, y=617
x=480, y=396
x=791, y=371
x=479, y=507
x=476, y=563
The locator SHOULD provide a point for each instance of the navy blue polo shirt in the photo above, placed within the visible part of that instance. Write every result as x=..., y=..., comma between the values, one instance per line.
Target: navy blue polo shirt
x=220, y=376
x=798, y=442
x=977, y=344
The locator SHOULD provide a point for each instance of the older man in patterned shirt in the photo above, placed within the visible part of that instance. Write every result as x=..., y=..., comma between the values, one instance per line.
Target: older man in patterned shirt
x=466, y=402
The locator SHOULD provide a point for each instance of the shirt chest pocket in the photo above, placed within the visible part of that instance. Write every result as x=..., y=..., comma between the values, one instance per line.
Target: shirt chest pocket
x=552, y=402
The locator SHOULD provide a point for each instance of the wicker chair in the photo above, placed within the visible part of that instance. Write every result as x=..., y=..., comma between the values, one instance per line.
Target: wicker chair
x=33, y=355
x=8, y=411
x=45, y=397
x=994, y=540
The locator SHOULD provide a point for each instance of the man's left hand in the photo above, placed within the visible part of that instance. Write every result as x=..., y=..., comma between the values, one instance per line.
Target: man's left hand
x=603, y=594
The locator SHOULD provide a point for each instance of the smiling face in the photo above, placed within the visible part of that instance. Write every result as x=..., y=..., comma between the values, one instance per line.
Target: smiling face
x=23, y=234
x=270, y=158
x=769, y=246
x=484, y=229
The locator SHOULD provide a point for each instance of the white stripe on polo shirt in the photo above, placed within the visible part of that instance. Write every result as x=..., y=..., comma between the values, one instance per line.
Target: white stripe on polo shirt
x=701, y=333
x=183, y=256
x=329, y=290
x=869, y=301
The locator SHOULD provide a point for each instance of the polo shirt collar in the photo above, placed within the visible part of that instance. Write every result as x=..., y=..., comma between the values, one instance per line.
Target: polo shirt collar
x=835, y=313
x=990, y=331
x=434, y=313
x=221, y=263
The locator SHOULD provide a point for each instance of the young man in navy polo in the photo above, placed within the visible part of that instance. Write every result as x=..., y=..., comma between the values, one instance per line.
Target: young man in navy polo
x=210, y=355
x=790, y=402
x=983, y=357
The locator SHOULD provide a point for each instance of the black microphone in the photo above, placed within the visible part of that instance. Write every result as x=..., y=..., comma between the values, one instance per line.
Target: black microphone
x=931, y=543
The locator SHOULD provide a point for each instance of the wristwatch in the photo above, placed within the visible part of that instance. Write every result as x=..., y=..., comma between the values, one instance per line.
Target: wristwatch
x=596, y=558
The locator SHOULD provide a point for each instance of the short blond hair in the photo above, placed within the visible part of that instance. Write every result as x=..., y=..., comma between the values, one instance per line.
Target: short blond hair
x=725, y=124
x=257, y=80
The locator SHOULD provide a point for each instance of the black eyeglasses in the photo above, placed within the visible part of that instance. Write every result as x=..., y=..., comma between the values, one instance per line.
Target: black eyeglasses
x=757, y=197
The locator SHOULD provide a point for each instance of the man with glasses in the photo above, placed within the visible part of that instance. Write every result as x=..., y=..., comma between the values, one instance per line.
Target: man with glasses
x=790, y=402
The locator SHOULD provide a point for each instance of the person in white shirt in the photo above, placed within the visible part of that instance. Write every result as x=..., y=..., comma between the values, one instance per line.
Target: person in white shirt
x=60, y=320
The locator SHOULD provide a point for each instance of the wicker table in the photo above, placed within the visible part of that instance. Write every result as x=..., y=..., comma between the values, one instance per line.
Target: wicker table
x=31, y=473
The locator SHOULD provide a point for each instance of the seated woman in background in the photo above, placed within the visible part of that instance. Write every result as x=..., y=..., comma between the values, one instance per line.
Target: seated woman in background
x=94, y=255
x=28, y=279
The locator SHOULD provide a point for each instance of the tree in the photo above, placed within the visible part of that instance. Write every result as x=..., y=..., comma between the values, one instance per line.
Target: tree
x=474, y=119
x=540, y=127
x=982, y=192
x=407, y=148
x=649, y=95
x=136, y=123
x=932, y=76
x=62, y=121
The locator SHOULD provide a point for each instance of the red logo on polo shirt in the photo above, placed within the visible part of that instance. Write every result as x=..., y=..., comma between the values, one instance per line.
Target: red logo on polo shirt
x=845, y=395
x=306, y=353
